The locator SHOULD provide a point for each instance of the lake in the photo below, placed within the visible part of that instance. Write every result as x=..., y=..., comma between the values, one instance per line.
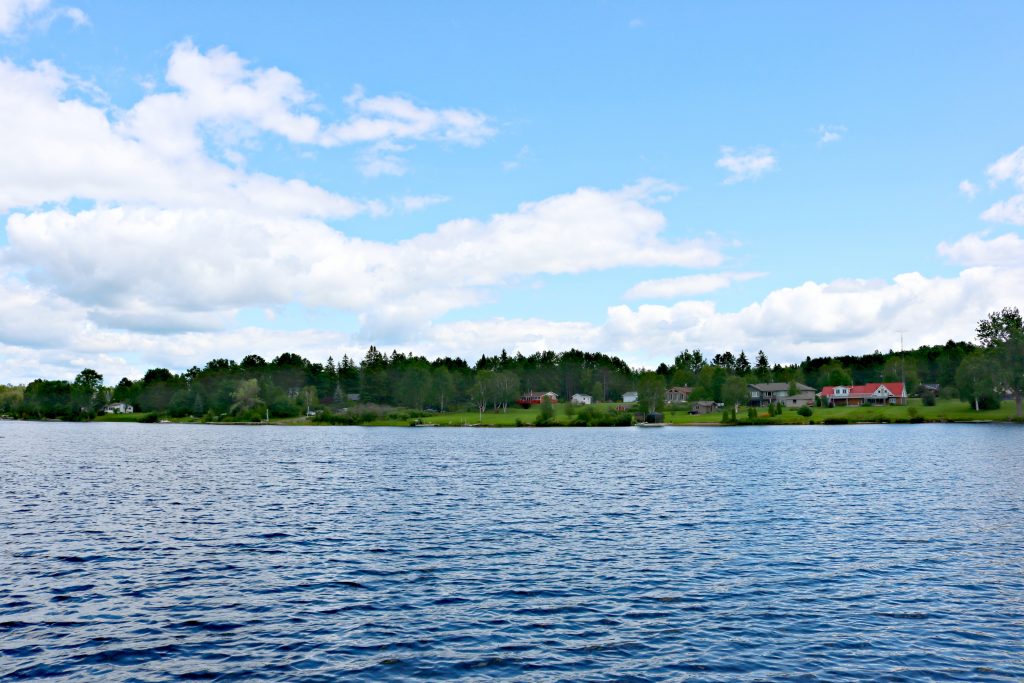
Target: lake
x=190, y=552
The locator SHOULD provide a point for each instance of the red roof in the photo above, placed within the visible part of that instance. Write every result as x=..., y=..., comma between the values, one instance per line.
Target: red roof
x=866, y=390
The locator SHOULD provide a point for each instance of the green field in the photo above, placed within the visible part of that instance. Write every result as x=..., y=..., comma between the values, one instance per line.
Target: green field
x=943, y=411
x=121, y=417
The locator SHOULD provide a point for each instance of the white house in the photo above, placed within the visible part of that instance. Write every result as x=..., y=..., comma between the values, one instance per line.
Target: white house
x=630, y=397
x=119, y=408
x=582, y=399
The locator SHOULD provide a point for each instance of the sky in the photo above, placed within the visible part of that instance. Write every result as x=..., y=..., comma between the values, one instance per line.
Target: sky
x=192, y=180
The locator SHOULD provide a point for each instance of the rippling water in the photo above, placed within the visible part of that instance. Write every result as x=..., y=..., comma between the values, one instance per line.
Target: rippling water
x=174, y=552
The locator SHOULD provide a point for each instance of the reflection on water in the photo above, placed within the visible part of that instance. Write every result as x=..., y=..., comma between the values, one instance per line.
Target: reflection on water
x=170, y=552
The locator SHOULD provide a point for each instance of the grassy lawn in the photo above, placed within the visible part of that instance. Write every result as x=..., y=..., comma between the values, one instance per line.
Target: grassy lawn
x=943, y=411
x=121, y=417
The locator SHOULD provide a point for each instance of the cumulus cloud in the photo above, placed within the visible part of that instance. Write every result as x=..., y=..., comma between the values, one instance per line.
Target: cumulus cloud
x=382, y=118
x=842, y=316
x=976, y=249
x=828, y=133
x=1007, y=168
x=745, y=165
x=969, y=189
x=128, y=263
x=55, y=147
x=14, y=14
x=419, y=202
x=686, y=285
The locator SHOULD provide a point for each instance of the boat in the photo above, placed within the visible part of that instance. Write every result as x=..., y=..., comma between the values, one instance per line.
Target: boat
x=650, y=424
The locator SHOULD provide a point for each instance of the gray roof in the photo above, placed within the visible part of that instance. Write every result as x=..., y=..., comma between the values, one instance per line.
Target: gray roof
x=779, y=386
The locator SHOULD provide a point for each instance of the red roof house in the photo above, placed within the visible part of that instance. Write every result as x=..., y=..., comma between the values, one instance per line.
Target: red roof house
x=536, y=397
x=874, y=393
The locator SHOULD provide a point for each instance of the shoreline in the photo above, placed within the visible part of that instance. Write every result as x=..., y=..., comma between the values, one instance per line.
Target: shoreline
x=393, y=423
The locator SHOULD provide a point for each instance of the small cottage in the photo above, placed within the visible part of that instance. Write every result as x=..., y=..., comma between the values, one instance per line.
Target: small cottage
x=678, y=394
x=703, y=407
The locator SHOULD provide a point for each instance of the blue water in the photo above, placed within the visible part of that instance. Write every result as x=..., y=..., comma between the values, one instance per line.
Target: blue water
x=174, y=552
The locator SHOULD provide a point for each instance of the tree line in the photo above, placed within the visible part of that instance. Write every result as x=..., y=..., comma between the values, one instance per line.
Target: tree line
x=290, y=385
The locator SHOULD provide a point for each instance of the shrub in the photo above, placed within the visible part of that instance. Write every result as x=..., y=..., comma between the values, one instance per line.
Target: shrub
x=988, y=402
x=928, y=400
x=804, y=411
x=751, y=413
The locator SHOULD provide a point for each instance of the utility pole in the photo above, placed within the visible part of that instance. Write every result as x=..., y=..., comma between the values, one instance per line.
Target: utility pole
x=903, y=373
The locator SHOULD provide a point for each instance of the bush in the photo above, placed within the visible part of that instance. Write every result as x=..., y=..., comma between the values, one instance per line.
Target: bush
x=804, y=411
x=928, y=400
x=949, y=392
x=989, y=402
x=590, y=417
x=752, y=413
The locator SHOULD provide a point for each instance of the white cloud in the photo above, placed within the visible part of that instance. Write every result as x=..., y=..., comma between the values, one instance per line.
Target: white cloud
x=969, y=189
x=745, y=166
x=636, y=23
x=14, y=14
x=55, y=148
x=1007, y=168
x=843, y=316
x=976, y=250
x=383, y=159
x=521, y=156
x=384, y=118
x=419, y=202
x=128, y=264
x=686, y=285
x=1008, y=211
x=830, y=133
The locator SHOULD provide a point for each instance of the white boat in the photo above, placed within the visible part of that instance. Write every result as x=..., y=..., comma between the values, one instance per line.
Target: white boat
x=650, y=424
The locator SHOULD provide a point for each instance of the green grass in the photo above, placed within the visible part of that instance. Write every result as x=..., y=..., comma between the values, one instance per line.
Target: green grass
x=943, y=411
x=121, y=417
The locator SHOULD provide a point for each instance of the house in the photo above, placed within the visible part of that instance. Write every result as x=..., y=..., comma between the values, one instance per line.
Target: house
x=121, y=408
x=581, y=399
x=769, y=393
x=929, y=390
x=703, y=407
x=630, y=397
x=678, y=394
x=874, y=393
x=536, y=397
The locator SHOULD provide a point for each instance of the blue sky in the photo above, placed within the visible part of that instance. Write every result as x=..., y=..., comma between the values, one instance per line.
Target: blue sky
x=208, y=179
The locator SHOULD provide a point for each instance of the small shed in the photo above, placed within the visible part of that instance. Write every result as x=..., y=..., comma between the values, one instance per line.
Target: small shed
x=703, y=407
